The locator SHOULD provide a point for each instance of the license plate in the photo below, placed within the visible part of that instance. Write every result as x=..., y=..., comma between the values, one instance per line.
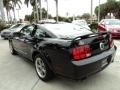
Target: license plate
x=104, y=63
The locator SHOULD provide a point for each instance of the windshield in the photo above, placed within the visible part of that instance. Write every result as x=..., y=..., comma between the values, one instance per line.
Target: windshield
x=67, y=30
x=15, y=26
x=113, y=22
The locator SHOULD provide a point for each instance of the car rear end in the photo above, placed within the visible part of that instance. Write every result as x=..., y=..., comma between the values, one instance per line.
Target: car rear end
x=77, y=52
x=91, y=54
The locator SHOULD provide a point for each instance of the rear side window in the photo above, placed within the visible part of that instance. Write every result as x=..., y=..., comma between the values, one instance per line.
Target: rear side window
x=40, y=33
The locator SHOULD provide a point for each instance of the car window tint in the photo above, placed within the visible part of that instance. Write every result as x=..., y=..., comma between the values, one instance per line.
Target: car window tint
x=41, y=33
x=27, y=31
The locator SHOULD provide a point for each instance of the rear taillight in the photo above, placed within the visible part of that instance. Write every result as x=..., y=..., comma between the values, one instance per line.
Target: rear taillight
x=110, y=41
x=81, y=52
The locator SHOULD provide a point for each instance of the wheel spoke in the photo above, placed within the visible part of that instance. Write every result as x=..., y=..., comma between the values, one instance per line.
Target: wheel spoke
x=40, y=66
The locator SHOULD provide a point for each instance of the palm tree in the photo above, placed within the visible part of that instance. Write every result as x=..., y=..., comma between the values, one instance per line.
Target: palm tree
x=35, y=7
x=2, y=10
x=56, y=10
x=8, y=7
x=47, y=7
x=14, y=4
x=40, y=9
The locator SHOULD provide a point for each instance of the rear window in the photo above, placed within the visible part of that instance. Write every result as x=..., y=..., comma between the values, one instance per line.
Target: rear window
x=66, y=30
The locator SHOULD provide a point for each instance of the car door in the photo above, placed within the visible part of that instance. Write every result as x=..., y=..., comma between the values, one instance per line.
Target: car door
x=18, y=39
x=26, y=40
x=29, y=41
x=23, y=43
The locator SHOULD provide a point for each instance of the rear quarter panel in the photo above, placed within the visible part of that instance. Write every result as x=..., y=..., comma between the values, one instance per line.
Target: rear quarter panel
x=57, y=52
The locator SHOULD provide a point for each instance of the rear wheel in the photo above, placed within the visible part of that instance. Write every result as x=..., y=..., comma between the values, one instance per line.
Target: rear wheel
x=12, y=49
x=42, y=69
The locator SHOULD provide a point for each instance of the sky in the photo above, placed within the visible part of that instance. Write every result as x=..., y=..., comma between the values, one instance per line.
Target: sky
x=72, y=7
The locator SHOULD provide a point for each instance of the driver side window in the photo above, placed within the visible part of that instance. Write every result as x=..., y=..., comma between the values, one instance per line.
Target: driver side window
x=27, y=31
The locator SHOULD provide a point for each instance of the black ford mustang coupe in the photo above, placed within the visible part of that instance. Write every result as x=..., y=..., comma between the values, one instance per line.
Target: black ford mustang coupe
x=63, y=49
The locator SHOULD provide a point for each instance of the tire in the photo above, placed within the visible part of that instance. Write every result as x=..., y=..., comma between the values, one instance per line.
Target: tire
x=13, y=52
x=42, y=69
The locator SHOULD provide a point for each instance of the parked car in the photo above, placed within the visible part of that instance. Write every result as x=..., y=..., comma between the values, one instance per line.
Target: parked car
x=15, y=28
x=63, y=49
x=82, y=23
x=111, y=25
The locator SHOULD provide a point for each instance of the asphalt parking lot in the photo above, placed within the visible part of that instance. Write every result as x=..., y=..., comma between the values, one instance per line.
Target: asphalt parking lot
x=16, y=73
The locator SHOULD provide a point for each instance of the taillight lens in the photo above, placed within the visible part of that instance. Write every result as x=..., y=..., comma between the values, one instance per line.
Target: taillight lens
x=81, y=52
x=110, y=41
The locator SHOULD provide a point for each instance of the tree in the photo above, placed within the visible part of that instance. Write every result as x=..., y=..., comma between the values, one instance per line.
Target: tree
x=111, y=6
x=103, y=11
x=14, y=4
x=8, y=7
x=47, y=7
x=31, y=17
x=40, y=9
x=35, y=7
x=86, y=16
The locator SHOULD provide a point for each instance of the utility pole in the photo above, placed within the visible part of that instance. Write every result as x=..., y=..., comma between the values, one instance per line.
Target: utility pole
x=99, y=12
x=91, y=11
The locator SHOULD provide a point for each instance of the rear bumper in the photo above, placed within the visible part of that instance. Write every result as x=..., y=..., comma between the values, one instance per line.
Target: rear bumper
x=92, y=65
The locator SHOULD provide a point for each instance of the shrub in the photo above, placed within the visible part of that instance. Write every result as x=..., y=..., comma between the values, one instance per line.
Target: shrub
x=3, y=25
x=94, y=27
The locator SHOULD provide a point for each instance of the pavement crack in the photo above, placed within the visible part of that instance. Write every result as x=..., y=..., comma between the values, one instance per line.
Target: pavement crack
x=35, y=84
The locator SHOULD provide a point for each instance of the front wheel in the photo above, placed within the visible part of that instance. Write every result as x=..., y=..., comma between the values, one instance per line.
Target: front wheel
x=42, y=69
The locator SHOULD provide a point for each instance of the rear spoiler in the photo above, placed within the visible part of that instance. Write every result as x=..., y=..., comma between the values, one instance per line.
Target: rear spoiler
x=90, y=35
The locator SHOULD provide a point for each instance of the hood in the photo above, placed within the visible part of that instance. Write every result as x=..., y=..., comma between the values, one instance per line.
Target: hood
x=6, y=30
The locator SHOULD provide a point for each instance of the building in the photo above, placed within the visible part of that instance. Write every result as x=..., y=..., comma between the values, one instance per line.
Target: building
x=2, y=14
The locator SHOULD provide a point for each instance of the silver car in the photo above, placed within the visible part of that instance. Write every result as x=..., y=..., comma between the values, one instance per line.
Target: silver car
x=6, y=33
